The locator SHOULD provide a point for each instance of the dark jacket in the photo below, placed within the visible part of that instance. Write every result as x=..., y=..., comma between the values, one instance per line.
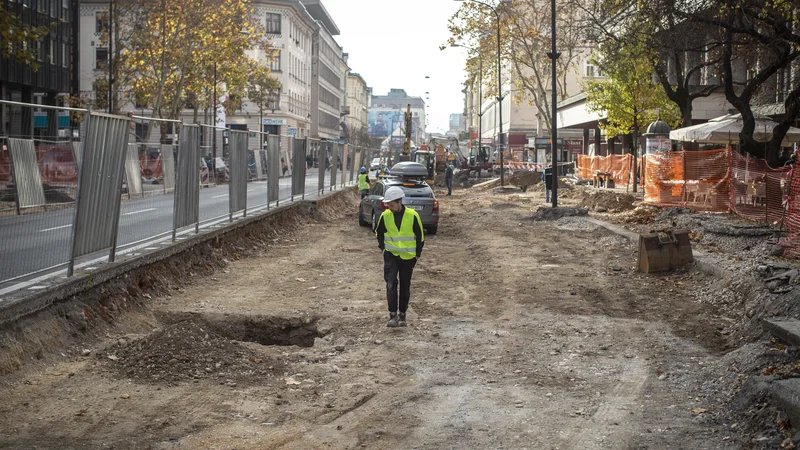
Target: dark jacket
x=448, y=174
x=380, y=230
x=547, y=177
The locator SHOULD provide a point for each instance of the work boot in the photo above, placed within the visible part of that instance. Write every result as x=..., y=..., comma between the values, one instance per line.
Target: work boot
x=392, y=320
x=401, y=321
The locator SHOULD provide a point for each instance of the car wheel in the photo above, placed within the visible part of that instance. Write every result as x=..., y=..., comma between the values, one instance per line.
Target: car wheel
x=361, y=220
x=374, y=220
x=432, y=230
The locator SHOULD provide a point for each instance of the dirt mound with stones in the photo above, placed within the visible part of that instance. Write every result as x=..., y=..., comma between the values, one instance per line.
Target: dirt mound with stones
x=182, y=352
x=607, y=201
x=548, y=213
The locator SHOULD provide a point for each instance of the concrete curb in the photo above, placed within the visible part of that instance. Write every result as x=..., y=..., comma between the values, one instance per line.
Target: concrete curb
x=26, y=303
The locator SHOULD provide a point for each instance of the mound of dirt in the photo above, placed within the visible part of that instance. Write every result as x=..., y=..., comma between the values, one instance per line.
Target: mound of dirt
x=547, y=213
x=642, y=214
x=602, y=200
x=505, y=205
x=181, y=352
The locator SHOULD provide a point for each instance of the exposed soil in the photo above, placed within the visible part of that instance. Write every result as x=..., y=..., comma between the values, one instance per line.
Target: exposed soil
x=522, y=334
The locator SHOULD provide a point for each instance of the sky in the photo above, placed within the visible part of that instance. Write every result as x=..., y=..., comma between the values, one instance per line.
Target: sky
x=395, y=44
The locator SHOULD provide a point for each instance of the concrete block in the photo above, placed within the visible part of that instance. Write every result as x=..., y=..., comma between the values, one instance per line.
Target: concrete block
x=786, y=394
x=786, y=329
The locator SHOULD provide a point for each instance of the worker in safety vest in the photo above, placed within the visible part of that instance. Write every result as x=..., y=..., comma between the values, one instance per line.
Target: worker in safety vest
x=400, y=236
x=363, y=182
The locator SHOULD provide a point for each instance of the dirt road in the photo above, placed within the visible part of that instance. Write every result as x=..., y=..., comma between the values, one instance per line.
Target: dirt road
x=522, y=334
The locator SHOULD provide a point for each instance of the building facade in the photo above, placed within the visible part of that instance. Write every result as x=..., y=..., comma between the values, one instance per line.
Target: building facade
x=357, y=104
x=52, y=82
x=386, y=118
x=306, y=61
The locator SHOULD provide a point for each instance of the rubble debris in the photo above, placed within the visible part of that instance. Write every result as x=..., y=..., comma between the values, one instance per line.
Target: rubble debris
x=611, y=201
x=548, y=213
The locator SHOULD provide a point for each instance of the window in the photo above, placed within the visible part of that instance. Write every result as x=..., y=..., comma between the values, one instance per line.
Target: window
x=101, y=58
x=101, y=22
x=275, y=61
x=273, y=24
x=592, y=71
x=64, y=55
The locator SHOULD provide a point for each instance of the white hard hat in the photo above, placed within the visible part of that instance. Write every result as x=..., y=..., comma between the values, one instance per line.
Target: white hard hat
x=393, y=193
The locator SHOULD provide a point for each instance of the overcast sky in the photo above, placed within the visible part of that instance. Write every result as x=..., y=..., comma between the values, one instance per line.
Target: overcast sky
x=395, y=44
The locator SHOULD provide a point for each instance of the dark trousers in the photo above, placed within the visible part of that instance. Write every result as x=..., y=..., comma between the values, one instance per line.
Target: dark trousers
x=392, y=267
x=449, y=186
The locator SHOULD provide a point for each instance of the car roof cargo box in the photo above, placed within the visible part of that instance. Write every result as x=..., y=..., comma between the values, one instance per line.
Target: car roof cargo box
x=408, y=169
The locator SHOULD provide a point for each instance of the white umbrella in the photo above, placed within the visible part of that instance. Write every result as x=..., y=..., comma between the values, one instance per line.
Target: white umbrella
x=726, y=129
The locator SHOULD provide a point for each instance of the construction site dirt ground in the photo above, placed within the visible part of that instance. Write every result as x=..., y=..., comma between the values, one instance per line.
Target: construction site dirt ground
x=522, y=334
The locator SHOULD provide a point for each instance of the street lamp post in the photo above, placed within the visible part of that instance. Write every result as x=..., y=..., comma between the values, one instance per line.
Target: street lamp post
x=499, y=85
x=553, y=55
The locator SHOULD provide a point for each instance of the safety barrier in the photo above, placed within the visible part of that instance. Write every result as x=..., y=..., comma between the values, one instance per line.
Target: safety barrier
x=615, y=167
x=139, y=181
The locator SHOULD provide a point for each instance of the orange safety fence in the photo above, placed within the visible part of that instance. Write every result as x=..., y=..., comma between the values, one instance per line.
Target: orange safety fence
x=618, y=166
x=758, y=191
x=791, y=222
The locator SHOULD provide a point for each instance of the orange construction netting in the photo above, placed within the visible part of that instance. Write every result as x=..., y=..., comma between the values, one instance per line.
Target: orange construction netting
x=618, y=166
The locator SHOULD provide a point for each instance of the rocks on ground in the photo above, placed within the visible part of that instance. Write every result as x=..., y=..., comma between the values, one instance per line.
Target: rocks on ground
x=548, y=213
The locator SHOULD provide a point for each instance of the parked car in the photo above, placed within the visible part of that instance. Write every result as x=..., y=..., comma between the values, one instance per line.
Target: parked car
x=375, y=164
x=419, y=197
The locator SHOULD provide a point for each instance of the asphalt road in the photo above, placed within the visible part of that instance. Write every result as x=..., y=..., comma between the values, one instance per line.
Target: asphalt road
x=36, y=241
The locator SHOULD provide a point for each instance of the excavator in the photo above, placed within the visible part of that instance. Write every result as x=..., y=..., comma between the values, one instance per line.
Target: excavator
x=438, y=153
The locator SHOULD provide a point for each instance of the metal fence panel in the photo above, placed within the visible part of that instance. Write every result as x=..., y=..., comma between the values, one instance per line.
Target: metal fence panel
x=350, y=164
x=99, y=184
x=238, y=170
x=334, y=152
x=168, y=166
x=133, y=171
x=323, y=152
x=27, y=178
x=75, y=146
x=299, y=176
x=187, y=189
x=273, y=167
x=259, y=167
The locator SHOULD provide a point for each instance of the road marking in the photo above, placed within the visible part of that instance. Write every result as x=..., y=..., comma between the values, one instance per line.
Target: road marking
x=137, y=212
x=218, y=196
x=250, y=190
x=55, y=228
x=36, y=288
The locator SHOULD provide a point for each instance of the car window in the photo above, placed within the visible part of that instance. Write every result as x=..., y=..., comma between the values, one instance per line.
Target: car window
x=377, y=189
x=418, y=191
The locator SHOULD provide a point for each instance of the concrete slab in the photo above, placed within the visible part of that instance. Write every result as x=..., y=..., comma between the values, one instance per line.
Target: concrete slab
x=786, y=394
x=786, y=329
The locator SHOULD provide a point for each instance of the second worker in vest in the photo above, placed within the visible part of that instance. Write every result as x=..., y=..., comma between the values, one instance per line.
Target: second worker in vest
x=363, y=182
x=401, y=238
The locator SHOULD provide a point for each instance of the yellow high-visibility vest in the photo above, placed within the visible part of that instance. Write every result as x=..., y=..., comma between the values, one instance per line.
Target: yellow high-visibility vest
x=362, y=182
x=402, y=242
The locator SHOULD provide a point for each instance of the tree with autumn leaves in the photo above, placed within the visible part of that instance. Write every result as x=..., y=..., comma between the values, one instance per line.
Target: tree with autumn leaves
x=15, y=35
x=525, y=40
x=168, y=53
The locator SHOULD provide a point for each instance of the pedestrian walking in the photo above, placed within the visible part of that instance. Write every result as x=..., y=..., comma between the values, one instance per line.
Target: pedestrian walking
x=363, y=182
x=547, y=178
x=401, y=239
x=448, y=178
